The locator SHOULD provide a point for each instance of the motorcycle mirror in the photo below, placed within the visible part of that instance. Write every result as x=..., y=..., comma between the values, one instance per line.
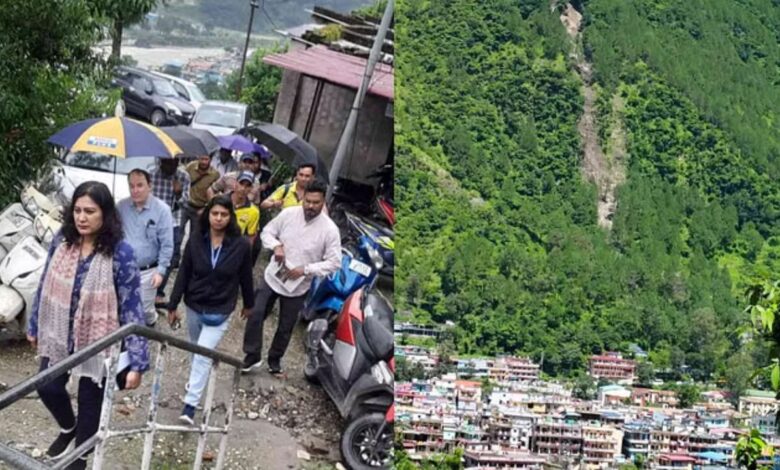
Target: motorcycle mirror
x=376, y=258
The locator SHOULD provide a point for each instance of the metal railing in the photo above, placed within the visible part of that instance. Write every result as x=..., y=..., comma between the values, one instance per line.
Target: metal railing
x=18, y=459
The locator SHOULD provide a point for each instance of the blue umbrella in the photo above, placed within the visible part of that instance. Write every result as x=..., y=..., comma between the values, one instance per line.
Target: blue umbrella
x=120, y=137
x=242, y=144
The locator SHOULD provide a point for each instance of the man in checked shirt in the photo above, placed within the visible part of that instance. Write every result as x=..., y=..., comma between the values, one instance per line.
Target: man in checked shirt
x=171, y=184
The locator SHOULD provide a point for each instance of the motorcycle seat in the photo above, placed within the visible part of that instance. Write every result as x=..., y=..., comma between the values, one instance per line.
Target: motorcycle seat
x=379, y=308
x=380, y=338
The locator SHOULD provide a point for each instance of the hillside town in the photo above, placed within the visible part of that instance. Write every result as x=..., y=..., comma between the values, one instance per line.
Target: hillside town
x=502, y=415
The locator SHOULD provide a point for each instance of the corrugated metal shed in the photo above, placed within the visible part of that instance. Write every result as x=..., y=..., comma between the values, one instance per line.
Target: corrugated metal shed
x=335, y=67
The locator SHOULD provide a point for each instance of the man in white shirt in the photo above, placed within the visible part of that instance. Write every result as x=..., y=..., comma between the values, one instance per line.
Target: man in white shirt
x=306, y=244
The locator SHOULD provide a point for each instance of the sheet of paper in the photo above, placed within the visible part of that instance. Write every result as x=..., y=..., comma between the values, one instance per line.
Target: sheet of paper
x=280, y=270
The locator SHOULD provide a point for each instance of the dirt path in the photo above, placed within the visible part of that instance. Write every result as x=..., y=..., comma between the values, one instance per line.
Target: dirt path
x=607, y=171
x=279, y=422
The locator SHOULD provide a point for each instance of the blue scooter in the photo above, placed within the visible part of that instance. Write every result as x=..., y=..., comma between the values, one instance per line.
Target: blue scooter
x=382, y=238
x=359, y=267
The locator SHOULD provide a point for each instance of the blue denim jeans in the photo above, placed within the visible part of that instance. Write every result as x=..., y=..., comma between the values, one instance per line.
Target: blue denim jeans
x=208, y=337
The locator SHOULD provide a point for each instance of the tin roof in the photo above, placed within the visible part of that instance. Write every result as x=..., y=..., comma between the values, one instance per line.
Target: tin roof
x=335, y=67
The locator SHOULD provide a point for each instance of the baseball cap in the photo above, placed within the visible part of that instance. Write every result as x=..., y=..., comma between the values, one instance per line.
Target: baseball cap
x=246, y=176
x=248, y=156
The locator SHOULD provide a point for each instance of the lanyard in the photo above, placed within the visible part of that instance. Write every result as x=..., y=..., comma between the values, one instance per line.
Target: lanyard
x=215, y=255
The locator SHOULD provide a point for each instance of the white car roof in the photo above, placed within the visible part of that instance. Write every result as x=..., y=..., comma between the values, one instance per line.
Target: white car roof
x=227, y=104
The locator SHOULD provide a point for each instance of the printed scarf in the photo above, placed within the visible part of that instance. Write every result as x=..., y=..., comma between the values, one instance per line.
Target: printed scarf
x=96, y=314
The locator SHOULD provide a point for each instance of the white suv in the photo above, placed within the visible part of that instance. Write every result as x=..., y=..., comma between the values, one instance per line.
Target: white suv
x=187, y=90
x=221, y=117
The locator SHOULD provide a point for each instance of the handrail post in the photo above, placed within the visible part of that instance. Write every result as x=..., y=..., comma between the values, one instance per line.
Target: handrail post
x=151, y=421
x=105, y=414
x=99, y=440
x=206, y=415
x=228, y=420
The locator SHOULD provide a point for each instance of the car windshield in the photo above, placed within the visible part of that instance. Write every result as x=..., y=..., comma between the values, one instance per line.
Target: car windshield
x=195, y=93
x=219, y=116
x=107, y=163
x=164, y=88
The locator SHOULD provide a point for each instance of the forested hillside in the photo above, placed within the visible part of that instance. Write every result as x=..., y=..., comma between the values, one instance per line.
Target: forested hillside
x=497, y=227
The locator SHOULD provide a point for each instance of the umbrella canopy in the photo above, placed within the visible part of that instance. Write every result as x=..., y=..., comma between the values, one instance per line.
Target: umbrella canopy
x=117, y=136
x=289, y=146
x=193, y=142
x=242, y=144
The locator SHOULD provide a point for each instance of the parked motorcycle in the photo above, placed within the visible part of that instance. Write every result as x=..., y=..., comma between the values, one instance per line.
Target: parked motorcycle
x=356, y=368
x=359, y=267
x=382, y=237
x=363, y=199
x=35, y=221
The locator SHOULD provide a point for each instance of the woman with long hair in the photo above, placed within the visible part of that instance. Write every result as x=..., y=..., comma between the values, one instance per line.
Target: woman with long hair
x=216, y=262
x=90, y=287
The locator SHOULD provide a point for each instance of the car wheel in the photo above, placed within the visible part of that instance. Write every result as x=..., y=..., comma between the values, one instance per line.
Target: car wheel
x=157, y=117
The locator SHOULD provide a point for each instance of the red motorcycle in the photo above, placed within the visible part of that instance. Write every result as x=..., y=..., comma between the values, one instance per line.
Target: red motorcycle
x=351, y=356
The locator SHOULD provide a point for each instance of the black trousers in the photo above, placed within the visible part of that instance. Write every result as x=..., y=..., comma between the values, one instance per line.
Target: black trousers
x=55, y=397
x=288, y=317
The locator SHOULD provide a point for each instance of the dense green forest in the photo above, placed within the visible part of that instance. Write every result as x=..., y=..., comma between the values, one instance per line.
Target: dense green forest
x=497, y=227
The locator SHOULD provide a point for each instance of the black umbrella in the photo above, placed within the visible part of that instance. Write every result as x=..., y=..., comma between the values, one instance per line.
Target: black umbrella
x=193, y=142
x=288, y=146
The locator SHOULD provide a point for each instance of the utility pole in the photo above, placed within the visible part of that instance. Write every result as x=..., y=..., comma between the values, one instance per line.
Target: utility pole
x=252, y=5
x=349, y=129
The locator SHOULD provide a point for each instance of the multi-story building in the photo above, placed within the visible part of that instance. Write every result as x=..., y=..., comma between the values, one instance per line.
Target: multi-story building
x=766, y=424
x=400, y=329
x=601, y=445
x=526, y=423
x=636, y=441
x=700, y=442
x=663, y=441
x=426, y=358
x=710, y=421
x=514, y=369
x=510, y=428
x=499, y=370
x=490, y=459
x=423, y=436
x=758, y=403
x=652, y=397
x=557, y=438
x=468, y=396
x=612, y=366
x=675, y=462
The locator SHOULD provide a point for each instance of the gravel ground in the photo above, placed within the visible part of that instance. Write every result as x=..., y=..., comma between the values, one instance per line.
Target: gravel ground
x=279, y=422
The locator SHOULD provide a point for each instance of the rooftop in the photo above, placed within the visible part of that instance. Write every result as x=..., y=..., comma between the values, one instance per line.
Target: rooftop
x=335, y=67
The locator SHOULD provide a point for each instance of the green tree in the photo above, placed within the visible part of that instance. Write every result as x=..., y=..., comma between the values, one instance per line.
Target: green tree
x=645, y=373
x=405, y=370
x=49, y=77
x=687, y=395
x=261, y=84
x=120, y=14
x=750, y=448
x=584, y=387
x=738, y=374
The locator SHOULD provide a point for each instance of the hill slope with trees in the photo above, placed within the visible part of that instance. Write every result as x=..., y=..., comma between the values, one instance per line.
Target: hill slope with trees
x=497, y=227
